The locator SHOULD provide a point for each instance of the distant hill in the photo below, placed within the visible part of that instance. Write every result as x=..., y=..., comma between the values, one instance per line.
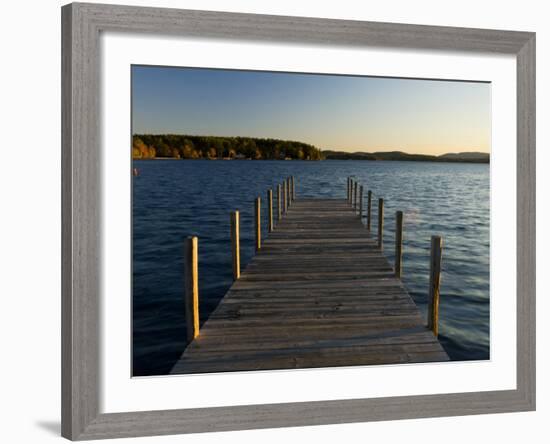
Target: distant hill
x=466, y=157
x=472, y=157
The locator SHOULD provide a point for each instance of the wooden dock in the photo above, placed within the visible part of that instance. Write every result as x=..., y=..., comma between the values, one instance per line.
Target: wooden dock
x=318, y=293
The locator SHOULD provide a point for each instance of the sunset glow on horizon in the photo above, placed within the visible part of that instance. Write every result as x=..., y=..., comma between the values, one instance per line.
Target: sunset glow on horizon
x=332, y=112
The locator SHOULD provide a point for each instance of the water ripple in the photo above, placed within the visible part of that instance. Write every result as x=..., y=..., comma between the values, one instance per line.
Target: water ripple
x=175, y=199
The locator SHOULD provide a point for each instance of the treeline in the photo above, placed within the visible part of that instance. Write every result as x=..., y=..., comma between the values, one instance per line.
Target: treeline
x=150, y=146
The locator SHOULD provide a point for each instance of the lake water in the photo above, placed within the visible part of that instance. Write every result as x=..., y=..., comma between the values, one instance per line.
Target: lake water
x=173, y=199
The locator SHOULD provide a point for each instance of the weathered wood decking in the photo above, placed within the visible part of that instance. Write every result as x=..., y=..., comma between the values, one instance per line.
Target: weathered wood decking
x=319, y=293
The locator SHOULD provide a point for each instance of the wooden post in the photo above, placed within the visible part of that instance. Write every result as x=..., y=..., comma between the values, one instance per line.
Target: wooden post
x=191, y=287
x=380, y=223
x=293, y=188
x=347, y=190
x=284, y=196
x=288, y=193
x=355, y=196
x=361, y=202
x=398, y=243
x=287, y=188
x=350, y=193
x=369, y=202
x=235, y=245
x=279, y=215
x=269, y=210
x=257, y=223
x=435, y=278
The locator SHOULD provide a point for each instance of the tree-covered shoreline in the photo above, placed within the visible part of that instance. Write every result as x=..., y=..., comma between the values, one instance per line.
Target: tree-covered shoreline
x=183, y=146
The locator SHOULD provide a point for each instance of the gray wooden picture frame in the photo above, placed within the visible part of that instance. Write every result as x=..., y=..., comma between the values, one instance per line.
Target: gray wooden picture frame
x=81, y=171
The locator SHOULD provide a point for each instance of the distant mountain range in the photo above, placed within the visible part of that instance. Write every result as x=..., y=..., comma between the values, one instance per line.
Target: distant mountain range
x=471, y=157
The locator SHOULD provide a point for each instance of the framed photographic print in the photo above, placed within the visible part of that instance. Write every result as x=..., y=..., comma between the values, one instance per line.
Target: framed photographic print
x=278, y=221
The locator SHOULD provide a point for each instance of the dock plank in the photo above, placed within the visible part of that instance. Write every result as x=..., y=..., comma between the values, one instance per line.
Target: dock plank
x=319, y=293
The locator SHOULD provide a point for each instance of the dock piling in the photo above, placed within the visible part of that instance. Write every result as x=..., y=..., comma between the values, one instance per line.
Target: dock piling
x=191, y=287
x=380, y=223
x=435, y=278
x=355, y=195
x=288, y=190
x=285, y=195
x=398, y=243
x=369, y=202
x=235, y=245
x=288, y=193
x=293, y=188
x=279, y=215
x=257, y=223
x=270, y=210
x=361, y=203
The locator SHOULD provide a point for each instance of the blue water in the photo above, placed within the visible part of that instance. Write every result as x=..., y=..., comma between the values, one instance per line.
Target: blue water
x=173, y=199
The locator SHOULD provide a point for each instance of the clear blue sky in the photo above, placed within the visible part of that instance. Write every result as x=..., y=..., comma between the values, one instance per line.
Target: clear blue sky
x=331, y=112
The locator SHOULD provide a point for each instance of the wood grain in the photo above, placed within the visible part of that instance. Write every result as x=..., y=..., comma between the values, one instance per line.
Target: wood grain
x=361, y=202
x=235, y=244
x=269, y=210
x=369, y=209
x=398, y=243
x=285, y=197
x=257, y=223
x=380, y=224
x=318, y=294
x=82, y=25
x=191, y=264
x=279, y=204
x=288, y=193
x=435, y=280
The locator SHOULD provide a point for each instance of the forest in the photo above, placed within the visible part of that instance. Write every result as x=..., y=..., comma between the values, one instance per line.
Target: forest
x=176, y=146
x=150, y=146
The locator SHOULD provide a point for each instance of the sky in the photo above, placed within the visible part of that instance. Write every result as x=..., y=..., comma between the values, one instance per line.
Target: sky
x=344, y=113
